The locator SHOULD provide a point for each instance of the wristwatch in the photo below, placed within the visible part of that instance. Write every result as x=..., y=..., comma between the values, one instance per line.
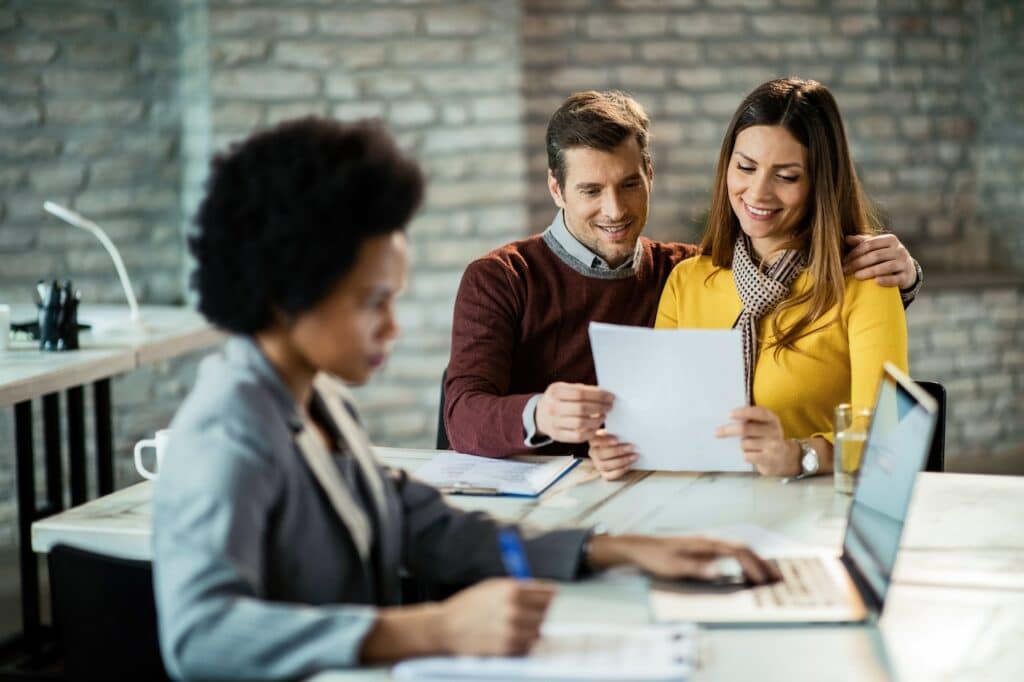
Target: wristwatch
x=809, y=460
x=908, y=295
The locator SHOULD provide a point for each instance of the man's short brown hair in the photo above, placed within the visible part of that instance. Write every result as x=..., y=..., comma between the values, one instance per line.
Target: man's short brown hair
x=598, y=120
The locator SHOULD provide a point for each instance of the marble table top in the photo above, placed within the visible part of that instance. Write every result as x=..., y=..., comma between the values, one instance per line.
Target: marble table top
x=963, y=530
x=955, y=609
x=925, y=634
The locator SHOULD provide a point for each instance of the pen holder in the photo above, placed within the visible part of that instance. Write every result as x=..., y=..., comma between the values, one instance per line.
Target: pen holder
x=58, y=316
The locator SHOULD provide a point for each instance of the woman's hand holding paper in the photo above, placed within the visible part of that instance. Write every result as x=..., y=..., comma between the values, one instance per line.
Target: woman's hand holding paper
x=763, y=442
x=610, y=457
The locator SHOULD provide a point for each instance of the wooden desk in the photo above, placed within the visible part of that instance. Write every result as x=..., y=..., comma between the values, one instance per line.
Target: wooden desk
x=112, y=347
x=953, y=625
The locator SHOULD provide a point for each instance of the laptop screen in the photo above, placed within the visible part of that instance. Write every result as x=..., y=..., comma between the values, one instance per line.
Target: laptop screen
x=897, y=444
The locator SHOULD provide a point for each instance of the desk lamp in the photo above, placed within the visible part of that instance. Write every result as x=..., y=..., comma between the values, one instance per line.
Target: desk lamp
x=79, y=221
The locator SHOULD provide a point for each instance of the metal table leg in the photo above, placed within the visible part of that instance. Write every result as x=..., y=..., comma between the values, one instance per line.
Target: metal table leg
x=25, y=465
x=104, y=437
x=32, y=649
x=76, y=446
x=53, y=467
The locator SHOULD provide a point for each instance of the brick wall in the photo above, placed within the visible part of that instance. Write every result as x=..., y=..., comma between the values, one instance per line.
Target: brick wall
x=972, y=340
x=1001, y=133
x=446, y=79
x=115, y=107
x=898, y=74
x=90, y=117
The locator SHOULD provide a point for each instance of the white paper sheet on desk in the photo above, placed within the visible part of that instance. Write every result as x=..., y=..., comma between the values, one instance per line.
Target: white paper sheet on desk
x=576, y=652
x=672, y=388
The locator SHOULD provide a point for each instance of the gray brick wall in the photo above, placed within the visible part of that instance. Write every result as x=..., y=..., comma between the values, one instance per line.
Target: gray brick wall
x=1001, y=133
x=972, y=340
x=903, y=73
x=446, y=79
x=89, y=118
x=115, y=107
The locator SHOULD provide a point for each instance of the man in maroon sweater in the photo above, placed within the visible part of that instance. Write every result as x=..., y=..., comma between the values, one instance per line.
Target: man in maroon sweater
x=521, y=376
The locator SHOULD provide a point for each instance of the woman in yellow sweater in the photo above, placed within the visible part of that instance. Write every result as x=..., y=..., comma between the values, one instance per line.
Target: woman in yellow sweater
x=786, y=207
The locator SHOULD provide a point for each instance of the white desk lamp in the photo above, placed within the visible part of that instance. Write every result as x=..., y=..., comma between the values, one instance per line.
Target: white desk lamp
x=73, y=218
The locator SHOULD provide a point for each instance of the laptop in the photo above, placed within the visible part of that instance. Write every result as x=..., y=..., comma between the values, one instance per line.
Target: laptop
x=823, y=588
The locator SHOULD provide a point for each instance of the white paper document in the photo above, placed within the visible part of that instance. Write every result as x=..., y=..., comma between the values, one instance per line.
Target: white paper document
x=576, y=652
x=454, y=472
x=673, y=388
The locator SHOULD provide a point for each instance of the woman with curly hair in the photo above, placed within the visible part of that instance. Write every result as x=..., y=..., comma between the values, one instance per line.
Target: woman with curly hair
x=786, y=208
x=277, y=538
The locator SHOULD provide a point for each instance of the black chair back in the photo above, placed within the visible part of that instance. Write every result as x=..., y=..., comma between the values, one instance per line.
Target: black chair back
x=105, y=616
x=442, y=432
x=937, y=452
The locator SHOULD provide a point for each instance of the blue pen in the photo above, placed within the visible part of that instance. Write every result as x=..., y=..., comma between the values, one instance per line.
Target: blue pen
x=512, y=554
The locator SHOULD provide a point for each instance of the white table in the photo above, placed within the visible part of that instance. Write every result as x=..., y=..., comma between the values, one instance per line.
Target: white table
x=950, y=624
x=119, y=524
x=113, y=346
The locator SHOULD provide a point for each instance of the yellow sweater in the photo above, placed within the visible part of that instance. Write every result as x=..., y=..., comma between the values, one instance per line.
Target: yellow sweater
x=838, y=363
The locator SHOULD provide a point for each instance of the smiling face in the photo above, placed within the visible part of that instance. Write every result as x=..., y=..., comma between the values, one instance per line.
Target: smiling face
x=606, y=198
x=768, y=184
x=349, y=333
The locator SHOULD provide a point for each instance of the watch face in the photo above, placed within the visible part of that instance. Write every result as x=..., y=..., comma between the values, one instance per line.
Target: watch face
x=809, y=463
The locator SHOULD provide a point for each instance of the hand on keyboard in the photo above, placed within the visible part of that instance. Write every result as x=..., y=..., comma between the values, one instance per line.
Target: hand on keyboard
x=680, y=557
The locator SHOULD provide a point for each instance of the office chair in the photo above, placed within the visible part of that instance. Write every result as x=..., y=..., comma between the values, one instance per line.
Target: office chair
x=104, y=613
x=442, y=433
x=937, y=451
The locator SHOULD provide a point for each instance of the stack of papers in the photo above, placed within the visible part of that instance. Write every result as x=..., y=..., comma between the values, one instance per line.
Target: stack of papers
x=456, y=473
x=577, y=652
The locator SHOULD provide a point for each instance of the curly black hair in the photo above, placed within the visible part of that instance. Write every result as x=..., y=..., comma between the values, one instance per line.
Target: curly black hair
x=286, y=212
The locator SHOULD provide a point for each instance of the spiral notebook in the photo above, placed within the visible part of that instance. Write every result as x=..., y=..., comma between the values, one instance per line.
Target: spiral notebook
x=576, y=652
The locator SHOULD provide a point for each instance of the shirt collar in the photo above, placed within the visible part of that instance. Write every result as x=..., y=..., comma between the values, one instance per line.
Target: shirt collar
x=583, y=255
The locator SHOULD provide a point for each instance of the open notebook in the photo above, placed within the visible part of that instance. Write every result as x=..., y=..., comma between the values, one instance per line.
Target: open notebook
x=576, y=652
x=456, y=473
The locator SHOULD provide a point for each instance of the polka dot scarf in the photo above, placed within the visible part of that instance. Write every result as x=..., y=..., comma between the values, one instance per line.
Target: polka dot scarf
x=760, y=291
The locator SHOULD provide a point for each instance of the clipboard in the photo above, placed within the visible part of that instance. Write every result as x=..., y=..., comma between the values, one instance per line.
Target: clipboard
x=456, y=473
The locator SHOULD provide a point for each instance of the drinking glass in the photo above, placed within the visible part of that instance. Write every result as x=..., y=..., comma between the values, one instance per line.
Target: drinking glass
x=851, y=431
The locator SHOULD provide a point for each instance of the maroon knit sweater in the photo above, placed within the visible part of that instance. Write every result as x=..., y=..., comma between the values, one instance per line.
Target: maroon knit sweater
x=520, y=324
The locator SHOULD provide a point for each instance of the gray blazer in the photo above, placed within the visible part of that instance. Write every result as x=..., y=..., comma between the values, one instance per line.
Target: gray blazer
x=266, y=562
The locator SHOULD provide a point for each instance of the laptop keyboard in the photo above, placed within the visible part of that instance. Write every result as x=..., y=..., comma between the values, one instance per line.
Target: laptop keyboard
x=806, y=582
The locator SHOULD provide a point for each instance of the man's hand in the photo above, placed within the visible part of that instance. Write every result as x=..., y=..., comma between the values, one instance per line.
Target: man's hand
x=881, y=257
x=571, y=413
x=677, y=557
x=763, y=443
x=496, y=617
x=610, y=457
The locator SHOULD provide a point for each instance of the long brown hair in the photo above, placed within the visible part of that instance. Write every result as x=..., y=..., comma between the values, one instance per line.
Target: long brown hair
x=836, y=204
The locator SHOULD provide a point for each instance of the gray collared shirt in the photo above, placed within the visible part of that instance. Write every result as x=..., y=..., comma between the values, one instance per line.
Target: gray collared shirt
x=581, y=253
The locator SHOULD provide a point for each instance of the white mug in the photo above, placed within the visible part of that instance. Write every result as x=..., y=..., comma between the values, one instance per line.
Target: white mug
x=158, y=443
